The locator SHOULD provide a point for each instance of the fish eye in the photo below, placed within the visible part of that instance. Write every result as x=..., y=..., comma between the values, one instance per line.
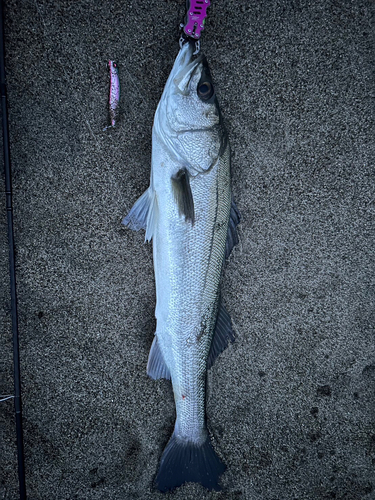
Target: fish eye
x=205, y=90
x=114, y=65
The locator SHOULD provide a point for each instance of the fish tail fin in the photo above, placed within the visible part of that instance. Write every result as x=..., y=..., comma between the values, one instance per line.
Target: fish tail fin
x=185, y=461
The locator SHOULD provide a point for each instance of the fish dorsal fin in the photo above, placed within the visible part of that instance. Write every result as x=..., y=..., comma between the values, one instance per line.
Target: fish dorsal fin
x=232, y=237
x=156, y=367
x=183, y=195
x=223, y=334
x=143, y=214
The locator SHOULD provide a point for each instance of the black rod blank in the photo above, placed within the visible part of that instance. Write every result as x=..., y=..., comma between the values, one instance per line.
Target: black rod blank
x=12, y=270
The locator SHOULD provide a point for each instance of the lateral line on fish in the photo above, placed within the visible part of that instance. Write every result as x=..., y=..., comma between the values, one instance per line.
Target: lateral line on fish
x=213, y=230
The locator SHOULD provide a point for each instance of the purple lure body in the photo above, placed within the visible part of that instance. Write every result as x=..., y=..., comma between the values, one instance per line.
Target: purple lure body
x=114, y=92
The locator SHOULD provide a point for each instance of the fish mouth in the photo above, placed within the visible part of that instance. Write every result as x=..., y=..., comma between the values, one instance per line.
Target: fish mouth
x=184, y=68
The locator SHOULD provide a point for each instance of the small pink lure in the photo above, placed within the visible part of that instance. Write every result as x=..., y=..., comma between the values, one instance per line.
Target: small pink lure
x=114, y=93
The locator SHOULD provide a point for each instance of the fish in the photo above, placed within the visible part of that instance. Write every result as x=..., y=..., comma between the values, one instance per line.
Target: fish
x=189, y=214
x=114, y=93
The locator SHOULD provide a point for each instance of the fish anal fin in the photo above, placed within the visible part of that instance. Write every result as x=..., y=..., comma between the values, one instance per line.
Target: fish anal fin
x=223, y=335
x=156, y=366
x=183, y=195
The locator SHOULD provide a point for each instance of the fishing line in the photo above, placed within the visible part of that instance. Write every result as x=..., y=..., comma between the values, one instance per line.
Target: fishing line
x=5, y=398
x=12, y=268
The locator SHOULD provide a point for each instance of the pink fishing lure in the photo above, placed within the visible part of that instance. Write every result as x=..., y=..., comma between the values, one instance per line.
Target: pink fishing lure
x=114, y=93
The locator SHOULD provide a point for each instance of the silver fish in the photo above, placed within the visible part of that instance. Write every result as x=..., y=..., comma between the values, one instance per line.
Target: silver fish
x=188, y=213
x=114, y=93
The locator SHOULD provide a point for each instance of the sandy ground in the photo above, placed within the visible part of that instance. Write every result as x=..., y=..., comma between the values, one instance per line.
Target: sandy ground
x=291, y=403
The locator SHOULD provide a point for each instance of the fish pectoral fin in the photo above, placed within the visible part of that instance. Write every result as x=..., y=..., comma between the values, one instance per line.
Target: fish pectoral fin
x=183, y=195
x=232, y=236
x=156, y=366
x=143, y=214
x=223, y=334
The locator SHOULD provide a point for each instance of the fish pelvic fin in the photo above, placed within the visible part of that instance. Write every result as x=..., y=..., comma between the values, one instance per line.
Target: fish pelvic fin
x=156, y=366
x=143, y=214
x=186, y=461
x=183, y=195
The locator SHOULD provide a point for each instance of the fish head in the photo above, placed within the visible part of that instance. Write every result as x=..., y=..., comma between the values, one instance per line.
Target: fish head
x=188, y=117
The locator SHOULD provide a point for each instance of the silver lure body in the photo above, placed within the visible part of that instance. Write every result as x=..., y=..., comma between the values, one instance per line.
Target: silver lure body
x=190, y=166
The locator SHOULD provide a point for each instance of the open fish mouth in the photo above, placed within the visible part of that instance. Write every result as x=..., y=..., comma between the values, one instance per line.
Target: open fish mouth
x=184, y=68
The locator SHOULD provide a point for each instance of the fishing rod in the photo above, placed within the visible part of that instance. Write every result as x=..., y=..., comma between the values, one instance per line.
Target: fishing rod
x=12, y=270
